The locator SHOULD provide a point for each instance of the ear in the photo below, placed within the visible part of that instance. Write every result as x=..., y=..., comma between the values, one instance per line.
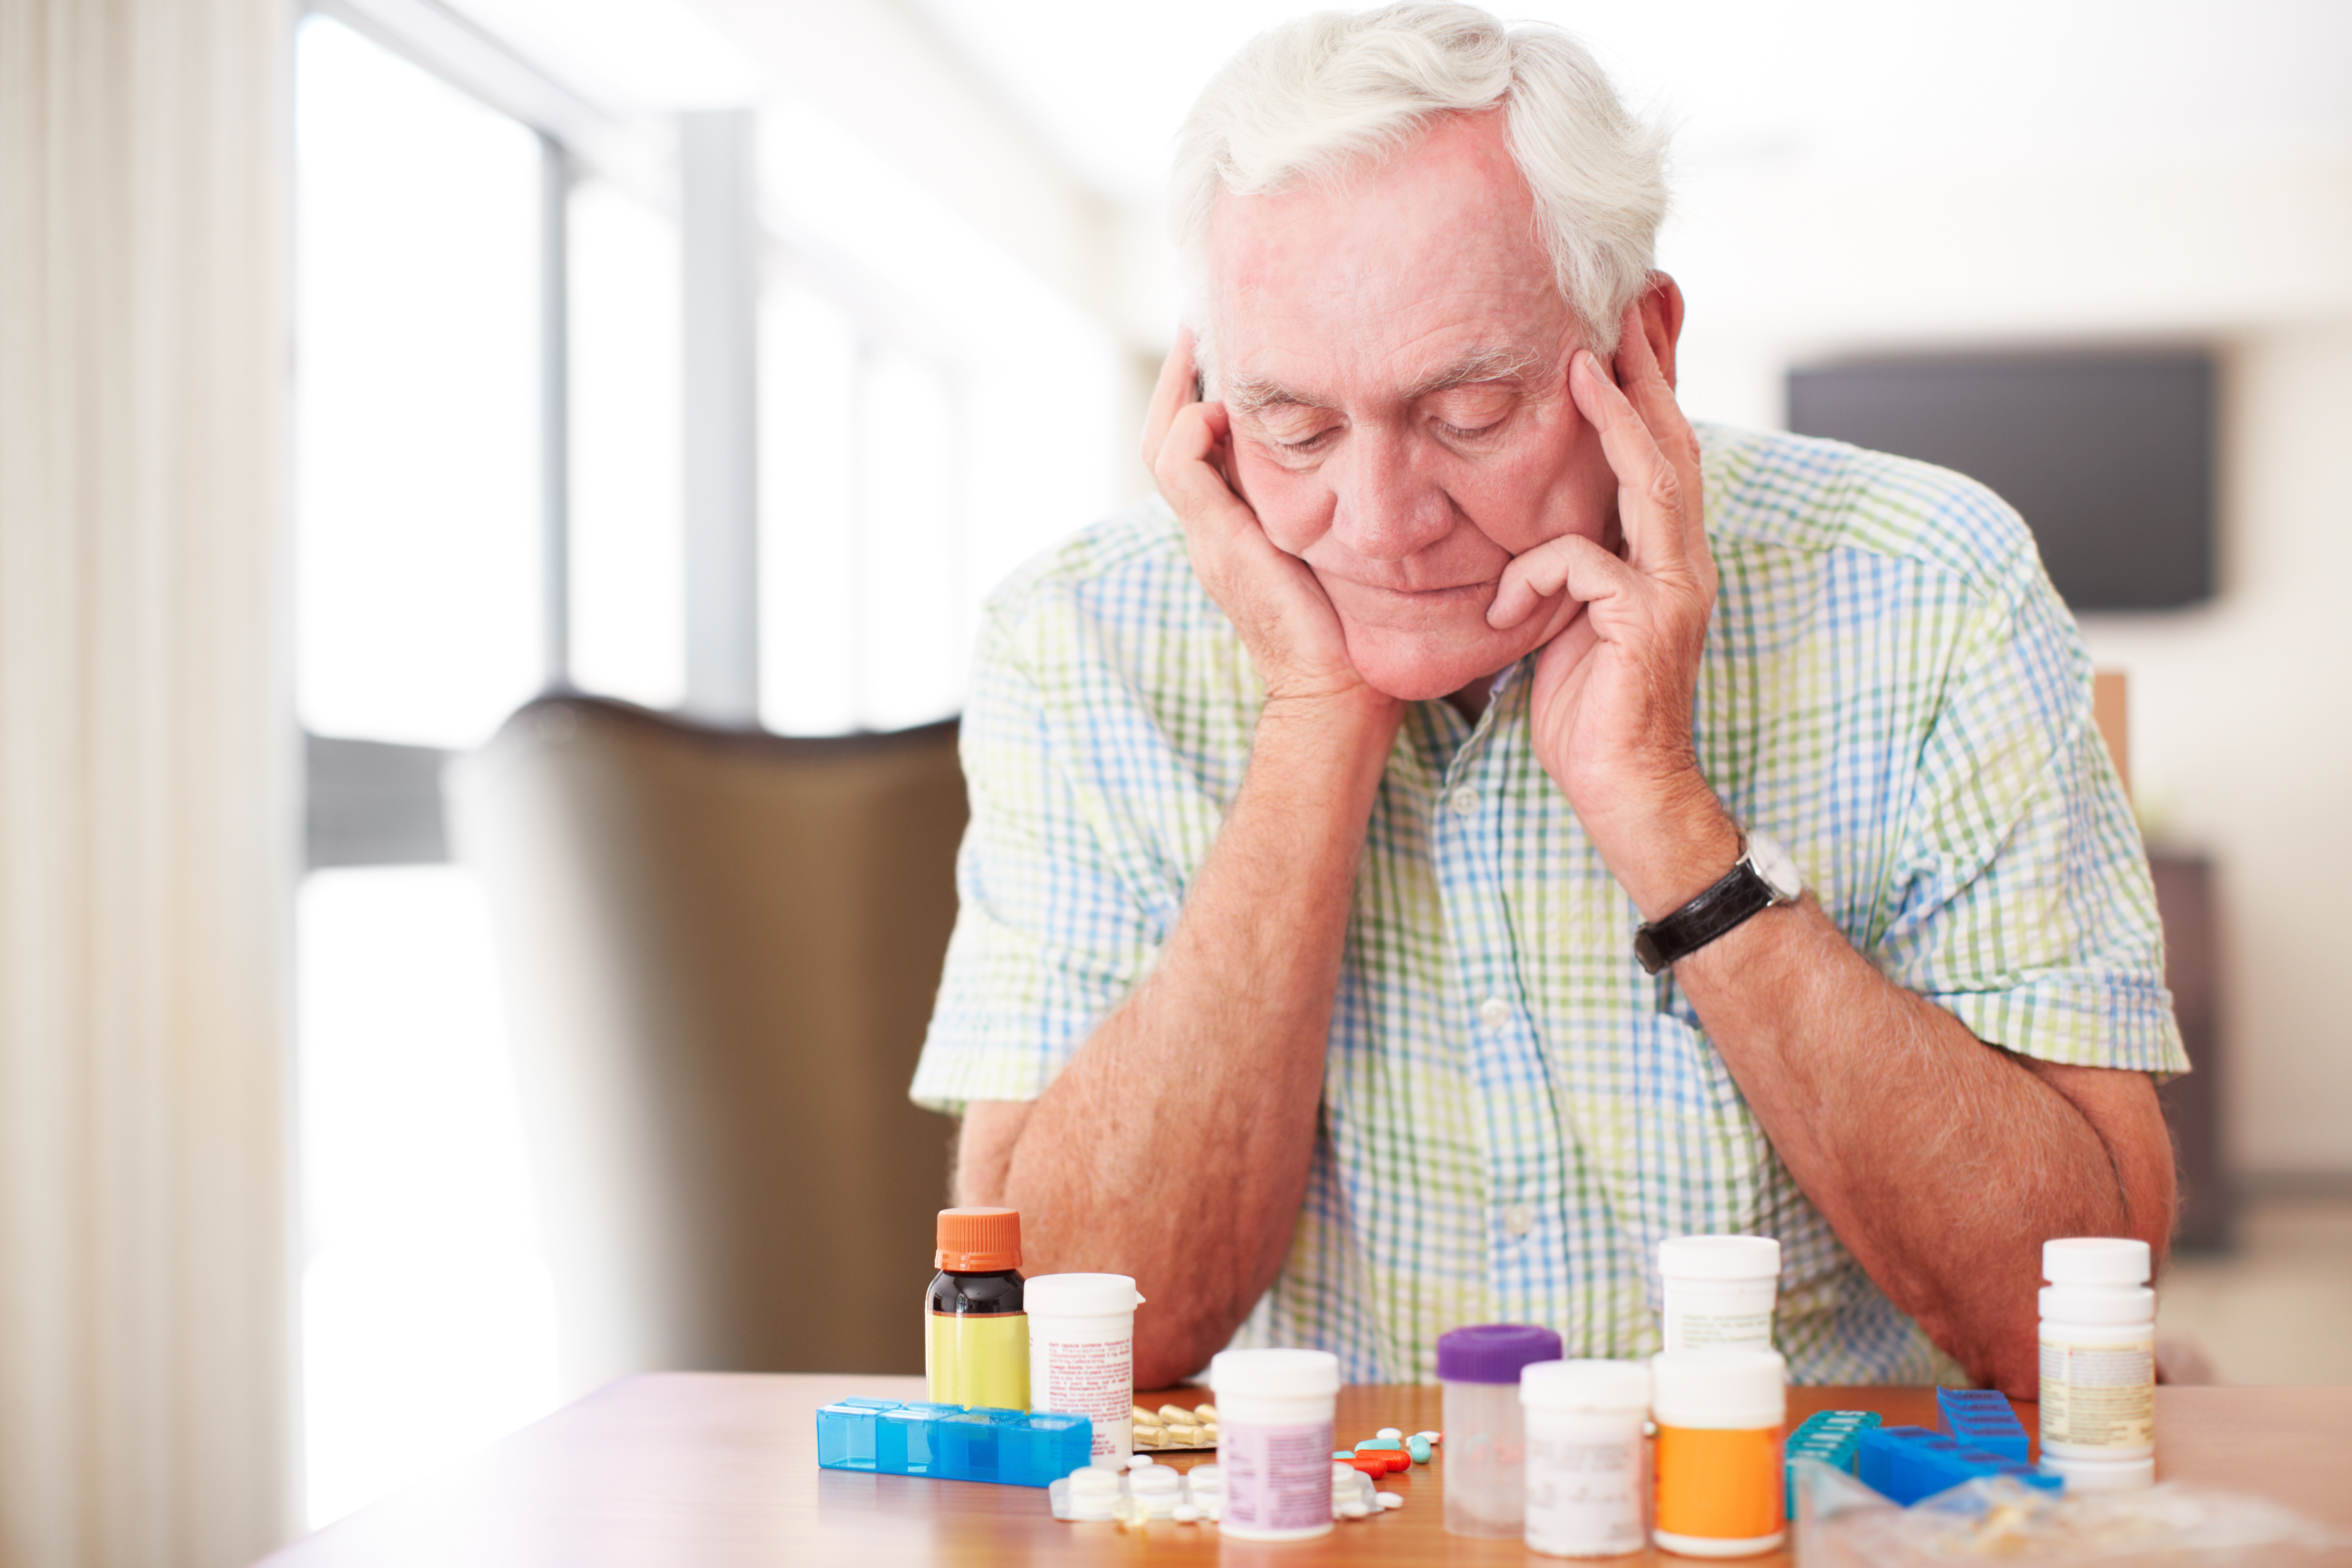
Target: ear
x=1662, y=321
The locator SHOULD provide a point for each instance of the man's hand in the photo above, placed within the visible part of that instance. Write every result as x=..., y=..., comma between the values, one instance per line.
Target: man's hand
x=1612, y=702
x=1284, y=617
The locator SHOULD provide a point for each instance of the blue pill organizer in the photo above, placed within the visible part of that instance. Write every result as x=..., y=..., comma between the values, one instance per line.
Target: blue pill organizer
x=952, y=1442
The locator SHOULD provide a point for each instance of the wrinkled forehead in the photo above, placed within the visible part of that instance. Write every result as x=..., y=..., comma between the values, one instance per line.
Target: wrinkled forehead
x=1400, y=269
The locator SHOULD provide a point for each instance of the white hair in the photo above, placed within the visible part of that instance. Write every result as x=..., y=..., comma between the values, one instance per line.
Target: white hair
x=1315, y=99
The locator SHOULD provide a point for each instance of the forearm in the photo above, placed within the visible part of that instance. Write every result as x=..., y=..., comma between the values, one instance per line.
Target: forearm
x=1941, y=1162
x=1174, y=1146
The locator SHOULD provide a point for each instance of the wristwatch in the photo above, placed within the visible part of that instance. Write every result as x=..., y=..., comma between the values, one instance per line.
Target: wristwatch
x=1764, y=877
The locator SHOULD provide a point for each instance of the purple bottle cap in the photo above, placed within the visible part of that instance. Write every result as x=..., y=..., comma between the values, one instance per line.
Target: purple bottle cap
x=1493, y=1353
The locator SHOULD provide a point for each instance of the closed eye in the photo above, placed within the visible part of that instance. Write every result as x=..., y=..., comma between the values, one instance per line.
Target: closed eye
x=1469, y=412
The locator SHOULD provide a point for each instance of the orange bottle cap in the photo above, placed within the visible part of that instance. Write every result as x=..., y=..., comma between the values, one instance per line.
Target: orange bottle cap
x=978, y=1241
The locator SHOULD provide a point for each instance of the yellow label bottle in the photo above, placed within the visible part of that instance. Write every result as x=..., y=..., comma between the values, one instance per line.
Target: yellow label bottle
x=977, y=1352
x=979, y=1358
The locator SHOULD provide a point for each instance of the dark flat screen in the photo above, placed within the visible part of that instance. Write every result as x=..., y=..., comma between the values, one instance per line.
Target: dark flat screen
x=2109, y=458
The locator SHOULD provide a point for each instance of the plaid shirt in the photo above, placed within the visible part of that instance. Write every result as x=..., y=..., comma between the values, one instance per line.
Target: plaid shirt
x=1514, y=1114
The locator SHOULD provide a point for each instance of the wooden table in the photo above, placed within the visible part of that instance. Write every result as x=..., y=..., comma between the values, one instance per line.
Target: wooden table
x=712, y=1470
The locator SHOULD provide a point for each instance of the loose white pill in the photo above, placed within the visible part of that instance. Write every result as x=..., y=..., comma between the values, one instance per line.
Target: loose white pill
x=1387, y=1432
x=1354, y=1510
x=1140, y=1461
x=1185, y=1513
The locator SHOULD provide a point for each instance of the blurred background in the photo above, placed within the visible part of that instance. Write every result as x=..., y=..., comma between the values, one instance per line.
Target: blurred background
x=701, y=365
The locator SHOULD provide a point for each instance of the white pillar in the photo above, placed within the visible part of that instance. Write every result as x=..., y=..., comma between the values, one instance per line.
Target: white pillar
x=147, y=767
x=719, y=251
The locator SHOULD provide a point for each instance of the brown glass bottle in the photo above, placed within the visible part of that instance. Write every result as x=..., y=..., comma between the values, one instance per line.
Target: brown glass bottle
x=977, y=1350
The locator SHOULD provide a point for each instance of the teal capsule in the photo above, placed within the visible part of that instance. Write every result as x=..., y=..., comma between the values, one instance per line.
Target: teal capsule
x=1419, y=1448
x=1379, y=1443
x=1343, y=1453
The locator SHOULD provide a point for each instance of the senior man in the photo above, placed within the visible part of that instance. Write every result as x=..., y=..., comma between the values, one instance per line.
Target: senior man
x=1380, y=904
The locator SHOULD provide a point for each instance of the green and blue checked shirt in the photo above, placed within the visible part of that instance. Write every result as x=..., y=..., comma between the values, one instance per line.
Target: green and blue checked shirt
x=1514, y=1114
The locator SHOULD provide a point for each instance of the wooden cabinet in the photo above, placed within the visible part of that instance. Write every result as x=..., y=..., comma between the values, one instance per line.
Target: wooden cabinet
x=2192, y=1103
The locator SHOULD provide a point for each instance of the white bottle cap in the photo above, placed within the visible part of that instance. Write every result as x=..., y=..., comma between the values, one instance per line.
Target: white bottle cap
x=1274, y=1374
x=1719, y=1257
x=1585, y=1385
x=2094, y=1260
x=2103, y=1304
x=1078, y=1295
x=1719, y=1387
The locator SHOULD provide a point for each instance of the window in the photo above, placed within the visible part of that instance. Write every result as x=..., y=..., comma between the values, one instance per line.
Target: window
x=627, y=529
x=424, y=1307
x=418, y=499
x=493, y=362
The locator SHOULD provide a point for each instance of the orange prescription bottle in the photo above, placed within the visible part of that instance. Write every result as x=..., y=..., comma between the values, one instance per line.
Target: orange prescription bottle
x=1719, y=1412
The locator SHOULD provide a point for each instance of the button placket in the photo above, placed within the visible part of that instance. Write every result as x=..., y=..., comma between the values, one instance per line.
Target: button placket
x=1504, y=1056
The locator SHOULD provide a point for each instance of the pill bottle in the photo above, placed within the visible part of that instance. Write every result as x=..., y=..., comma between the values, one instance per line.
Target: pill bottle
x=1082, y=1353
x=1485, y=1443
x=1719, y=1411
x=1719, y=1289
x=978, y=1350
x=2098, y=1362
x=1585, y=1490
x=1275, y=1415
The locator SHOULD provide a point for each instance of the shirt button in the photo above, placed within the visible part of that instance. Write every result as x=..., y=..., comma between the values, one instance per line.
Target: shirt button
x=1494, y=1012
x=1464, y=801
x=1518, y=1219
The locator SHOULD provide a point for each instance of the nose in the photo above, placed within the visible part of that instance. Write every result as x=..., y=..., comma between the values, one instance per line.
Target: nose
x=1383, y=508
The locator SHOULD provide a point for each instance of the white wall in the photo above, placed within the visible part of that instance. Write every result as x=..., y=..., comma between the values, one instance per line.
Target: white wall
x=882, y=75
x=2242, y=741
x=2241, y=709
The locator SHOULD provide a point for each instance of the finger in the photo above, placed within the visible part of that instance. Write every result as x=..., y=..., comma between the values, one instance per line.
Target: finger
x=1572, y=564
x=1173, y=391
x=1189, y=479
x=1650, y=493
x=1643, y=382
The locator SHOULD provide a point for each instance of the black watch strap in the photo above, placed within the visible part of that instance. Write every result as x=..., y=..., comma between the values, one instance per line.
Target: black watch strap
x=1742, y=893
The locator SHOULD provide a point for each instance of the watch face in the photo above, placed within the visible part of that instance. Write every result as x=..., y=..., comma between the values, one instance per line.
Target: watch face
x=1772, y=863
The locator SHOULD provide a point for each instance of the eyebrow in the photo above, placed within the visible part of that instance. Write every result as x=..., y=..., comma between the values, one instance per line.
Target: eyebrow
x=1247, y=394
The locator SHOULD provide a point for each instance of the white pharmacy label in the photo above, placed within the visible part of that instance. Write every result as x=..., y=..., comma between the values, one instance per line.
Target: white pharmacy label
x=1584, y=1496
x=1276, y=1478
x=1695, y=1330
x=1086, y=1377
x=2098, y=1397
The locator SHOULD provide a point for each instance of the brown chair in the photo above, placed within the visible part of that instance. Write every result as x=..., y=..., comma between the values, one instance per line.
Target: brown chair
x=721, y=951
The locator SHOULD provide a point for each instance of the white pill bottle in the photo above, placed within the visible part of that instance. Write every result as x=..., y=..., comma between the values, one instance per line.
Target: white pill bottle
x=1082, y=1353
x=2098, y=1362
x=1719, y=1291
x=1586, y=1484
x=1276, y=1411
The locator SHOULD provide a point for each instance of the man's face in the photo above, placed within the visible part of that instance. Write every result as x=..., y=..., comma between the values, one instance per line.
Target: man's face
x=1394, y=353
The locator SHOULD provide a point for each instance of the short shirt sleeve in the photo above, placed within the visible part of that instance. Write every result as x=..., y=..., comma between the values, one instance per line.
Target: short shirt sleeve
x=2026, y=907
x=1048, y=937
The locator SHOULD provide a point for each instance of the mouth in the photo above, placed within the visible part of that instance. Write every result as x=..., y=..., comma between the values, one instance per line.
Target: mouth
x=1479, y=593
